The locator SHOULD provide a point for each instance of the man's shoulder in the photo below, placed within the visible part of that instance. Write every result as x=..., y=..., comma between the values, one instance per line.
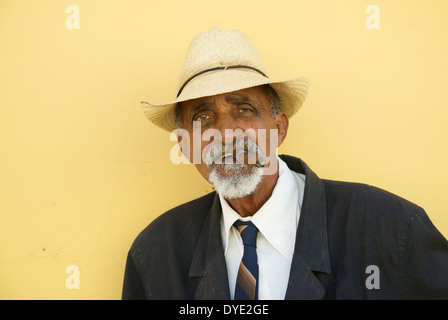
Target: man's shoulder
x=364, y=200
x=364, y=192
x=352, y=197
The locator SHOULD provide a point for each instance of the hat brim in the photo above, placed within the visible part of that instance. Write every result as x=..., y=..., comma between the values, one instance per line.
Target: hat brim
x=292, y=93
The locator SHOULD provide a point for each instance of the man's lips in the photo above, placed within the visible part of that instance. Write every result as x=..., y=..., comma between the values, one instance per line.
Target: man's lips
x=240, y=158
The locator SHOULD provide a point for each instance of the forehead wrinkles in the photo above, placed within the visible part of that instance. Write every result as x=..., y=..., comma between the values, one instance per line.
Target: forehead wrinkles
x=230, y=98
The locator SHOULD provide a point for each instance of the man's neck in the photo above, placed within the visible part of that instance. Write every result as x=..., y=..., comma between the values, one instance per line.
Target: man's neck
x=249, y=205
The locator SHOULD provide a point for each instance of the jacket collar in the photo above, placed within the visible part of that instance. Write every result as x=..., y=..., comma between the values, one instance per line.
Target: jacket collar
x=310, y=254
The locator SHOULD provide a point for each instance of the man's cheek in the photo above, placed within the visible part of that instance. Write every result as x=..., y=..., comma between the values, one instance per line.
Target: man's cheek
x=269, y=148
x=203, y=170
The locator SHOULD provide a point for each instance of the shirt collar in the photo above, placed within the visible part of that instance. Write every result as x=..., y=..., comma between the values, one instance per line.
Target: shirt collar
x=277, y=219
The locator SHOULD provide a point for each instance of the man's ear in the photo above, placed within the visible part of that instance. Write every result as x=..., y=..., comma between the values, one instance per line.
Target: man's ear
x=282, y=122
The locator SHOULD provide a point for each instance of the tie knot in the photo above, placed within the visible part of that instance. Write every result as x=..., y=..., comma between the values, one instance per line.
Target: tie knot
x=248, y=232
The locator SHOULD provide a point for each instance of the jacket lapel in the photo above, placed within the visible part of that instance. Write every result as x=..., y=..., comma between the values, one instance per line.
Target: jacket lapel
x=311, y=252
x=208, y=262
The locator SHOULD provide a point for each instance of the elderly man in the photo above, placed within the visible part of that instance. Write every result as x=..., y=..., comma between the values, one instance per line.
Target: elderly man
x=272, y=229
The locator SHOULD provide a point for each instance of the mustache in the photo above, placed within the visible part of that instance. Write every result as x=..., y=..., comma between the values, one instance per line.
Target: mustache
x=234, y=150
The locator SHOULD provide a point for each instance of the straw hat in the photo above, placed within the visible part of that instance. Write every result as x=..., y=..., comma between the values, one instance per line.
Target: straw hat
x=223, y=61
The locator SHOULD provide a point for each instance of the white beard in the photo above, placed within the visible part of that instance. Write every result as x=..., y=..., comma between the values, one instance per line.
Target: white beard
x=239, y=183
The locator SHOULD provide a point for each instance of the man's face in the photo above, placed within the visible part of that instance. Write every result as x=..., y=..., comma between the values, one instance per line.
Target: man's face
x=248, y=111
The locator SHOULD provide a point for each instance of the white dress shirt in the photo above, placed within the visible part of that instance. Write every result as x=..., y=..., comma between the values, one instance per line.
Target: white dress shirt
x=277, y=221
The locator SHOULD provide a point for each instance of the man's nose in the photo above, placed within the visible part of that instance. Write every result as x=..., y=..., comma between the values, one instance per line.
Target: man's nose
x=227, y=125
x=225, y=121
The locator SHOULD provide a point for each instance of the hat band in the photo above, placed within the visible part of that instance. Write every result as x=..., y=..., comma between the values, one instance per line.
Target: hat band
x=218, y=68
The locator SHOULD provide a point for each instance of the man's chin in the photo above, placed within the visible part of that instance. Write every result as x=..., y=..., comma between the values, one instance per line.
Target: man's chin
x=234, y=180
x=230, y=170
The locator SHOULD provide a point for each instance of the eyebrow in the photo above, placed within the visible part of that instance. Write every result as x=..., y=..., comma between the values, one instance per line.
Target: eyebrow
x=231, y=98
x=237, y=99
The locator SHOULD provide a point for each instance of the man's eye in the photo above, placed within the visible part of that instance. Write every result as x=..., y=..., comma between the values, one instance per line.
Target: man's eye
x=245, y=110
x=202, y=117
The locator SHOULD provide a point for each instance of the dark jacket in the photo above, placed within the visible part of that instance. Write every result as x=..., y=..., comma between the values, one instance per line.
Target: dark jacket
x=354, y=241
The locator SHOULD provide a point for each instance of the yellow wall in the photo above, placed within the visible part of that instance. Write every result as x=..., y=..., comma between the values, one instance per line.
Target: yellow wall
x=82, y=171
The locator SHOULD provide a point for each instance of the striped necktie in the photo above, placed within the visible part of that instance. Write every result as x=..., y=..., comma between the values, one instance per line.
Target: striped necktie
x=247, y=281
